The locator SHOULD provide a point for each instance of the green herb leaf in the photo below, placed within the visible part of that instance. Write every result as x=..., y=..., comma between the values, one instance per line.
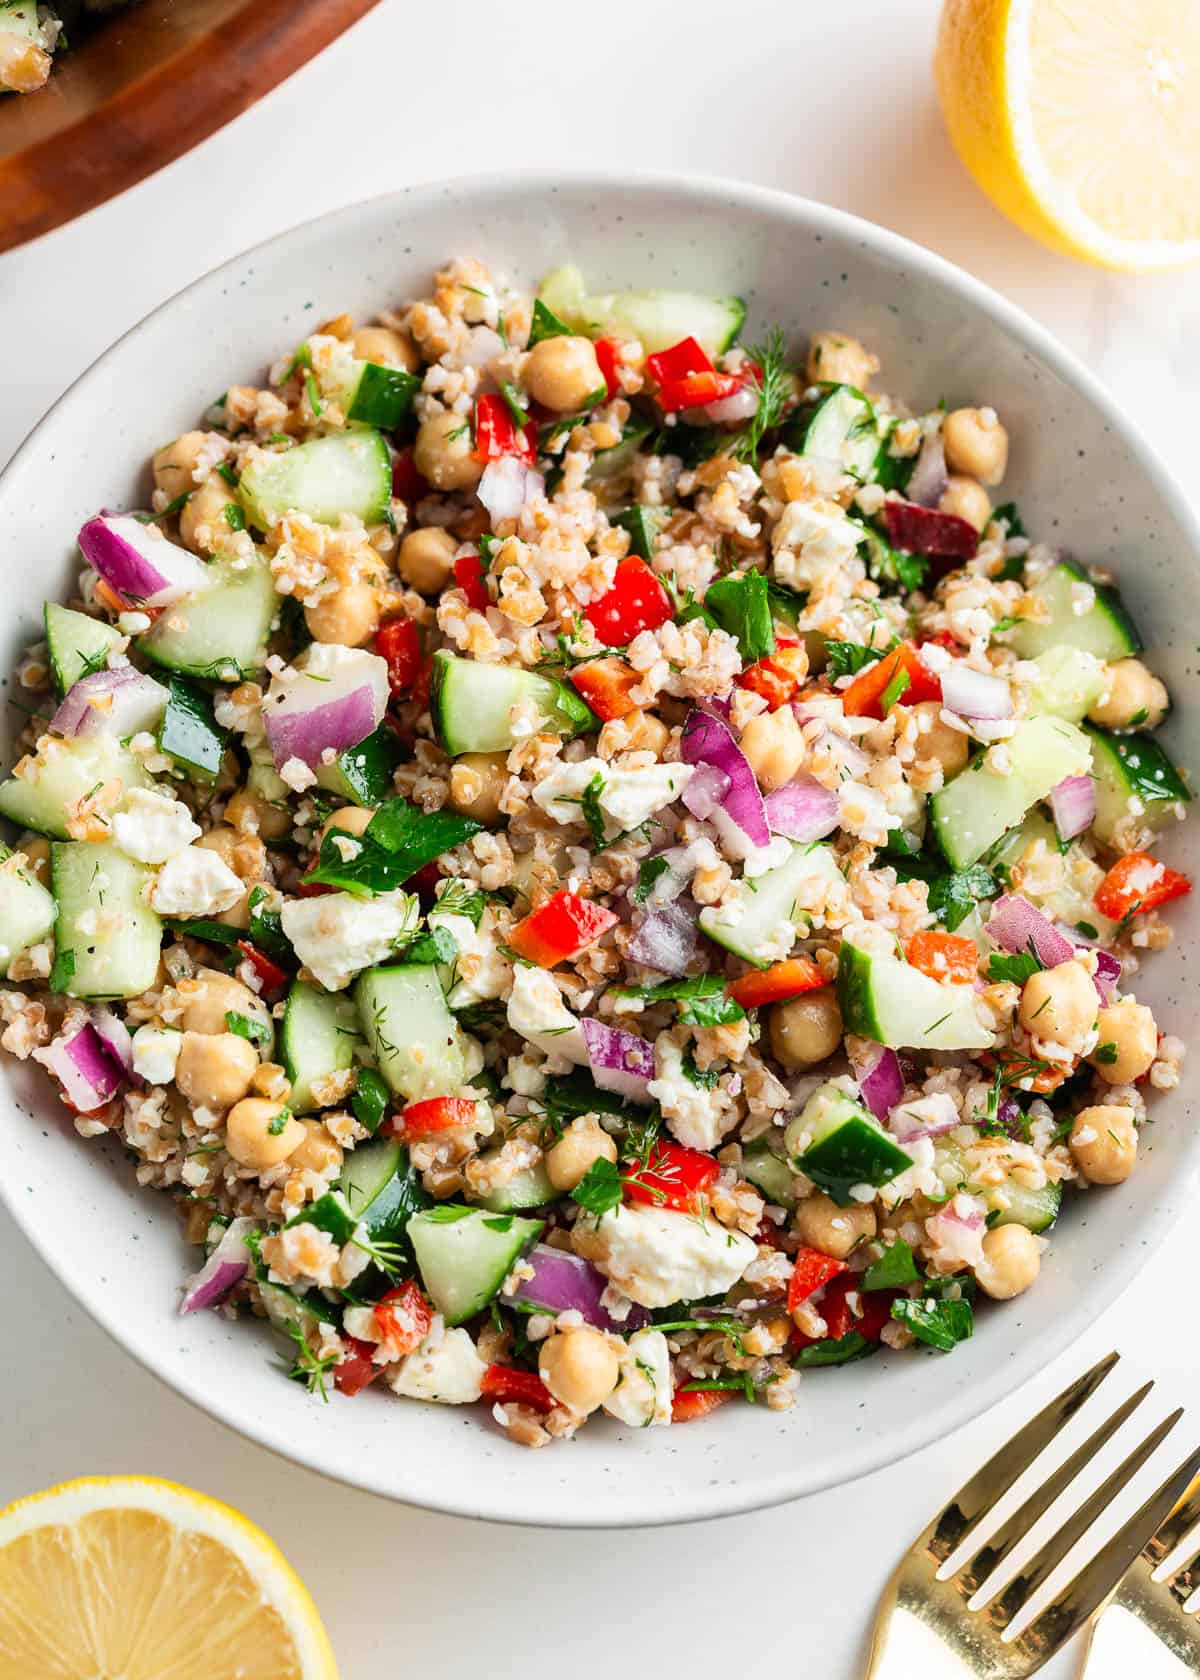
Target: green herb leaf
x=400, y=839
x=895, y=688
x=241, y=1026
x=847, y=659
x=741, y=605
x=1008, y=512
x=650, y=870
x=895, y=1267
x=593, y=815
x=953, y=893
x=460, y=898
x=545, y=324
x=370, y=1100
x=63, y=971
x=774, y=388
x=513, y=396
x=234, y=517
x=841, y=1350
x=939, y=1324
x=435, y=945
x=279, y=1121
x=1017, y=966
x=1105, y=1054
x=691, y=1072
x=599, y=1190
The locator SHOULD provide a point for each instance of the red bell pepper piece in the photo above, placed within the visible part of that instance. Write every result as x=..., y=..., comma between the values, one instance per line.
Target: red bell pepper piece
x=271, y=976
x=353, y=1373
x=637, y=601
x=407, y=482
x=1138, y=882
x=813, y=1271
x=779, y=675
x=944, y=956
x=673, y=1177
x=874, y=1307
x=565, y=925
x=497, y=433
x=610, y=357
x=901, y=677
x=398, y=642
x=435, y=1114
x=784, y=979
x=676, y=362
x=605, y=684
x=403, y=1318
x=922, y=530
x=696, y=390
x=688, y=1405
x=468, y=575
x=523, y=1388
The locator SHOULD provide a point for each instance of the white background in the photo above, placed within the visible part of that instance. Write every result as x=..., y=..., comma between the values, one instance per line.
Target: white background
x=835, y=102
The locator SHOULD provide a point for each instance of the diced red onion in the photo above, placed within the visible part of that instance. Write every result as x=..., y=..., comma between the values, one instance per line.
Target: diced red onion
x=1008, y=1119
x=118, y=702
x=1073, y=803
x=1018, y=926
x=87, y=1073
x=880, y=1082
x=721, y=704
x=907, y=1127
x=507, y=486
x=224, y=1269
x=705, y=790
x=666, y=941
x=564, y=1282
x=620, y=1061
x=975, y=694
x=922, y=530
x=741, y=818
x=326, y=705
x=1106, y=977
x=741, y=404
x=802, y=810
x=114, y=1036
x=929, y=477
x=136, y=560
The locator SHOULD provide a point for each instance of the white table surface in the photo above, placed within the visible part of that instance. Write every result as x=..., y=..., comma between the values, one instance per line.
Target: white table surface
x=835, y=102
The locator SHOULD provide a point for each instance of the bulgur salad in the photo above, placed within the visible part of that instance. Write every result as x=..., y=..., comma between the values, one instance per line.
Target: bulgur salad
x=593, y=863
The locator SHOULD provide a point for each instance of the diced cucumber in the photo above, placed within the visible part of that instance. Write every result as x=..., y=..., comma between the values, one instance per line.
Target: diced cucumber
x=362, y=775
x=189, y=733
x=293, y=1313
x=1064, y=895
x=106, y=937
x=319, y=1034
x=27, y=910
x=749, y=921
x=472, y=704
x=657, y=319
x=1133, y=777
x=374, y=395
x=842, y=428
x=379, y=1191
x=465, y=1254
x=769, y=1172
x=417, y=1043
x=1011, y=847
x=842, y=1144
x=349, y=472
x=528, y=1189
x=643, y=524
x=1103, y=628
x=1009, y=1202
x=77, y=644
x=893, y=1003
x=221, y=633
x=1069, y=681
x=60, y=775
x=976, y=807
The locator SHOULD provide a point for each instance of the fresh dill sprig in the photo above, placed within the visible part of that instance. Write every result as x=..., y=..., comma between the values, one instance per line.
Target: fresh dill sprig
x=308, y=1367
x=773, y=391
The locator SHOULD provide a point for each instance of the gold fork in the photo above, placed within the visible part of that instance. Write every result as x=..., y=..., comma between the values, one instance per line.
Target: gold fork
x=1144, y=1621
x=924, y=1626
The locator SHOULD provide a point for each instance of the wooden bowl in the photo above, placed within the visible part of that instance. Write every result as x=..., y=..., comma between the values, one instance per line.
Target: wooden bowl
x=142, y=87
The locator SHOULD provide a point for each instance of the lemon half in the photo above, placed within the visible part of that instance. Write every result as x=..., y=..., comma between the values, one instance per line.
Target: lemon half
x=1081, y=120
x=130, y=1578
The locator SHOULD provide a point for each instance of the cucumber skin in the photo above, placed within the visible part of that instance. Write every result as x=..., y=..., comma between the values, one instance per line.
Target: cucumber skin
x=27, y=803
x=302, y=1020
x=455, y=1304
x=1133, y=765
x=69, y=653
x=264, y=490
x=1028, y=641
x=438, y=1075
x=854, y=994
x=564, y=712
x=140, y=939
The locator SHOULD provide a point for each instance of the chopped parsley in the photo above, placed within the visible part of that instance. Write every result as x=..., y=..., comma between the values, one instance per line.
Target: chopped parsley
x=899, y=683
x=847, y=659
x=691, y=1072
x=545, y=324
x=400, y=839
x=650, y=871
x=513, y=395
x=234, y=517
x=63, y=971
x=841, y=1350
x=432, y=945
x=1105, y=1054
x=703, y=997
x=940, y=1324
x=1017, y=966
x=741, y=605
x=277, y=1123
x=241, y=1026
x=369, y=1103
x=895, y=1267
x=953, y=893
x=593, y=814
x=599, y=1190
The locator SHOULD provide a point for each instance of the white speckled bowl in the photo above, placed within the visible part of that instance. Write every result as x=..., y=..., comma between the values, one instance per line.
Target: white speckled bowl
x=1082, y=477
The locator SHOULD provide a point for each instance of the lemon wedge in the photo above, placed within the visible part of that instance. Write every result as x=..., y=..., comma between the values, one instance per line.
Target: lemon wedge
x=129, y=1578
x=1081, y=120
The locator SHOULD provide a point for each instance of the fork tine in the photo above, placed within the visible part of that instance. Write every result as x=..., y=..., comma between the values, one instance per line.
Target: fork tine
x=1080, y=1597
x=967, y=1508
x=992, y=1554
x=1185, y=1515
x=1002, y=1610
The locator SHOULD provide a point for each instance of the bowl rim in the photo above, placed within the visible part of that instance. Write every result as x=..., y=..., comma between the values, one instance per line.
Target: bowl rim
x=1036, y=1350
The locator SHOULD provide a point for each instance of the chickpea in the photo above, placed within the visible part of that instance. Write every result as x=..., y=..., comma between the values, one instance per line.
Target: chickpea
x=806, y=1030
x=348, y=616
x=244, y=854
x=976, y=444
x=579, y=1367
x=774, y=746
x=175, y=463
x=1127, y=1044
x=937, y=740
x=318, y=1152
x=835, y=1230
x=562, y=373
x=1012, y=1259
x=1134, y=698
x=1058, y=1005
x=238, y=914
x=584, y=1142
x=836, y=358
x=202, y=522
x=37, y=859
x=966, y=499
x=644, y=733
x=261, y=1134
x=477, y=781
x=214, y=1070
x=250, y=813
x=426, y=559
x=1104, y=1143
x=212, y=995
x=385, y=346
x=443, y=453
x=347, y=819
